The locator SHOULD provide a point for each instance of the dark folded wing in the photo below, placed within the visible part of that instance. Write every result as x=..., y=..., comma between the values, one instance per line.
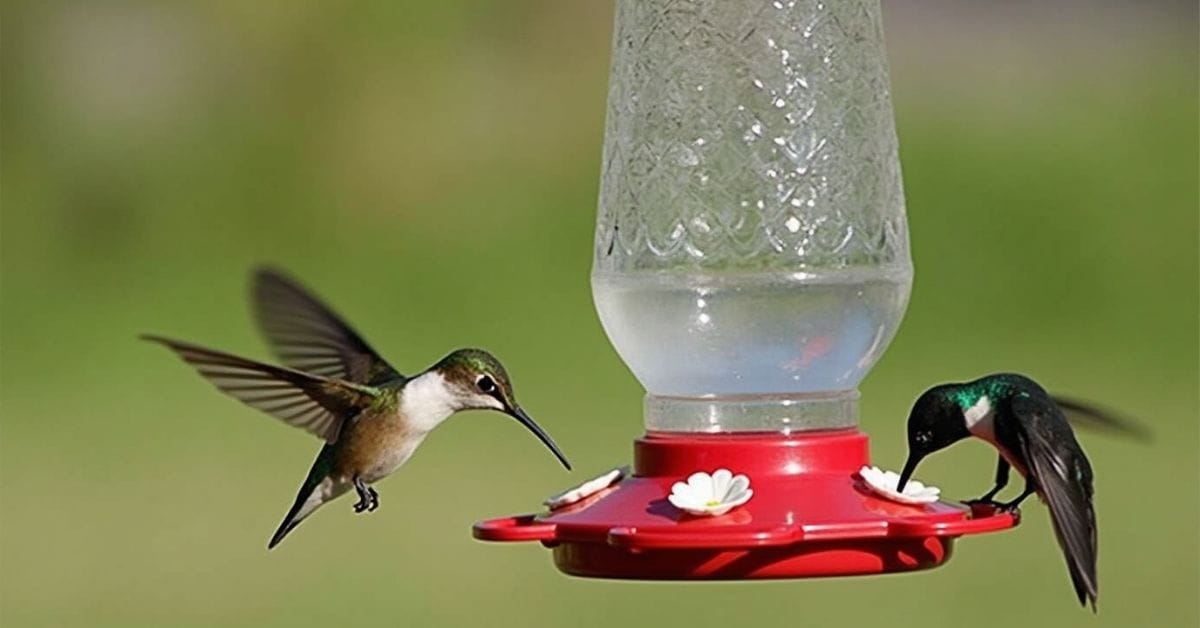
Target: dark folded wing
x=1087, y=415
x=1064, y=477
x=307, y=335
x=316, y=404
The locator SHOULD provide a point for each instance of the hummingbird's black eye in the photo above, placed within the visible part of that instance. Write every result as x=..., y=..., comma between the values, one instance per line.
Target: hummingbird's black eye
x=486, y=385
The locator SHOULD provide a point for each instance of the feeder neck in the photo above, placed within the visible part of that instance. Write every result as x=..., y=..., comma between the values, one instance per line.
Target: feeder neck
x=758, y=454
x=779, y=413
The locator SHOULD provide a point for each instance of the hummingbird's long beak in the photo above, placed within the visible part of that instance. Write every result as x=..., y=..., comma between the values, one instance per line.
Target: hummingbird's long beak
x=517, y=413
x=914, y=459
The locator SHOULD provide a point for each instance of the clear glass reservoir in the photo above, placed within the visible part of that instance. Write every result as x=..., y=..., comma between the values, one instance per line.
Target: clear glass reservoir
x=751, y=253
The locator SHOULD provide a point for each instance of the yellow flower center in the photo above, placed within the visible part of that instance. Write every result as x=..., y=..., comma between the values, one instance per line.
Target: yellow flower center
x=712, y=503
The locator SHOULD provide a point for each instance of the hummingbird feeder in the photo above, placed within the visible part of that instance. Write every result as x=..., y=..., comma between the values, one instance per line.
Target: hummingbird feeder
x=751, y=266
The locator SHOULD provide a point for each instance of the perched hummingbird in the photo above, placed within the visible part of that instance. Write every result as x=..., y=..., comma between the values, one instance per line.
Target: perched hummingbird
x=336, y=387
x=1021, y=420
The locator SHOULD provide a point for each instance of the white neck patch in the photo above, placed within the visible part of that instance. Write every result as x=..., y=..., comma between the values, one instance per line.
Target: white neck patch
x=979, y=419
x=426, y=401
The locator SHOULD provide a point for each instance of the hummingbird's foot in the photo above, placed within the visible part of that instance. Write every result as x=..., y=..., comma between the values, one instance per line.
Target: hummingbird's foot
x=368, y=499
x=982, y=501
x=1012, y=507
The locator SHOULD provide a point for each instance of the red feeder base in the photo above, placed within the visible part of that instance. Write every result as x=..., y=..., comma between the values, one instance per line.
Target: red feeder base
x=810, y=516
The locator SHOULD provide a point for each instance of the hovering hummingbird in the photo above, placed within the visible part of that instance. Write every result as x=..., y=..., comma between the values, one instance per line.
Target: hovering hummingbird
x=1028, y=427
x=335, y=386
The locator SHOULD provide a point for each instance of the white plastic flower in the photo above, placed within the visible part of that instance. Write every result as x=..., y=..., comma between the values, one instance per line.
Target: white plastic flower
x=587, y=489
x=884, y=484
x=711, y=495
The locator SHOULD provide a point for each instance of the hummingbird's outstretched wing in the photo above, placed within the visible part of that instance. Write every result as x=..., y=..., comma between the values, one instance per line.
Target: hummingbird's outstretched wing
x=307, y=335
x=1064, y=478
x=314, y=403
x=1085, y=414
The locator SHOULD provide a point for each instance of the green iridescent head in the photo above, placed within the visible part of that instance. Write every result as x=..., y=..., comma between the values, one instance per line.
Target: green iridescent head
x=478, y=381
x=478, y=375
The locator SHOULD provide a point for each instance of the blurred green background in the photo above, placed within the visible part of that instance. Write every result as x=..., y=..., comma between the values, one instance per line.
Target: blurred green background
x=421, y=163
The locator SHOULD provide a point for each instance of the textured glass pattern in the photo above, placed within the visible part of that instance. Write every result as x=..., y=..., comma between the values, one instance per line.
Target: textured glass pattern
x=749, y=136
x=751, y=259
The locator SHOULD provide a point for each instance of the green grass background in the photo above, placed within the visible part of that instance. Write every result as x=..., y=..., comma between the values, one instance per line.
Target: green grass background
x=432, y=170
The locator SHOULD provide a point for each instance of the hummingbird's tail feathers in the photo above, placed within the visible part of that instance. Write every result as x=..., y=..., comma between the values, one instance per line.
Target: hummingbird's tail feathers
x=317, y=489
x=1084, y=414
x=307, y=501
x=1080, y=563
x=284, y=528
x=1079, y=581
x=314, y=403
x=1064, y=479
x=308, y=335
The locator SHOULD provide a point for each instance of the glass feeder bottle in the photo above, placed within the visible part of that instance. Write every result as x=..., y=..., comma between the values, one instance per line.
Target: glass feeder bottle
x=751, y=252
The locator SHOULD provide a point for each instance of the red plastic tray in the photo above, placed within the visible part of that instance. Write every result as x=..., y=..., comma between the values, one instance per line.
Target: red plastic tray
x=810, y=516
